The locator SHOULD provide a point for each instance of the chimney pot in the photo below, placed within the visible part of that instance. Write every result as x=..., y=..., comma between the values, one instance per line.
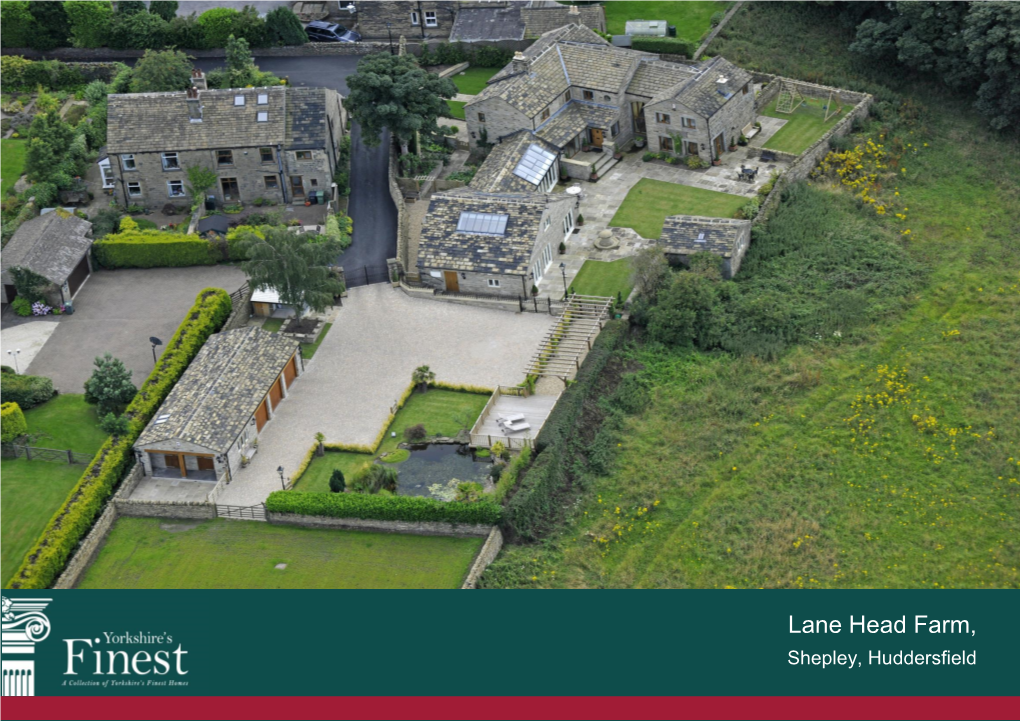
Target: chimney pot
x=574, y=10
x=520, y=62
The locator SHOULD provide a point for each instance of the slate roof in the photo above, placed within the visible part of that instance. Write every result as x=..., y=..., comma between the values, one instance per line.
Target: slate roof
x=50, y=245
x=496, y=23
x=574, y=117
x=680, y=234
x=702, y=93
x=442, y=246
x=496, y=174
x=656, y=76
x=540, y=18
x=154, y=122
x=220, y=391
x=217, y=223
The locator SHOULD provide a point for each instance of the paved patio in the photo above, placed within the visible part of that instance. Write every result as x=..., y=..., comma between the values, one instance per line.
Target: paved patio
x=364, y=364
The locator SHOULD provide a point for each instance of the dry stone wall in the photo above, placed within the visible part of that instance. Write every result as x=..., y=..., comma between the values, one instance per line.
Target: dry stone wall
x=418, y=528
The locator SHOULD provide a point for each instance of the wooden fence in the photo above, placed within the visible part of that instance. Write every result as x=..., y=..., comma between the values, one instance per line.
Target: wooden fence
x=32, y=453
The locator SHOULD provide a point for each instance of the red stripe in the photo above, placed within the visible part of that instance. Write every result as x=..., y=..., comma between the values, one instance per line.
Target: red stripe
x=512, y=707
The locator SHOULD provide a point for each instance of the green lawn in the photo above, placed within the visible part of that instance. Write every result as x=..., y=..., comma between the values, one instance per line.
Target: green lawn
x=456, y=109
x=154, y=553
x=650, y=201
x=691, y=18
x=12, y=163
x=32, y=491
x=606, y=279
x=273, y=325
x=443, y=412
x=472, y=81
x=803, y=127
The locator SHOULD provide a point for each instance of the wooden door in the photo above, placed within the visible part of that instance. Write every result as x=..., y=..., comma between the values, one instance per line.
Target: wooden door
x=596, y=137
x=174, y=461
x=261, y=415
x=452, y=282
x=290, y=370
x=276, y=394
x=206, y=464
x=718, y=145
x=297, y=186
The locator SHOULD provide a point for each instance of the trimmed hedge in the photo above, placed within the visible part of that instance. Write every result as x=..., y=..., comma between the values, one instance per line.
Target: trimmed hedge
x=153, y=249
x=669, y=46
x=26, y=391
x=12, y=422
x=47, y=558
x=383, y=508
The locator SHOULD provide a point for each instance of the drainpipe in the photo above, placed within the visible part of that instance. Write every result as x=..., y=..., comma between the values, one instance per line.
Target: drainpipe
x=421, y=21
x=279, y=165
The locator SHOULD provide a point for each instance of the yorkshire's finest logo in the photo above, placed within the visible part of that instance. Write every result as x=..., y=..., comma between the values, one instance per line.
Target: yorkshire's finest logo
x=24, y=625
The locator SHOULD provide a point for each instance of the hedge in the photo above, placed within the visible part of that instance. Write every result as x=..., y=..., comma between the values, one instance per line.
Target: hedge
x=153, y=249
x=383, y=508
x=47, y=558
x=12, y=422
x=26, y=391
x=669, y=46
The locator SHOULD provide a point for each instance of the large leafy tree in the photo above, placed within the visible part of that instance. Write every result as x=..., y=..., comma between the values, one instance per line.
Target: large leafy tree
x=89, y=20
x=166, y=9
x=52, y=25
x=18, y=28
x=161, y=71
x=296, y=267
x=284, y=28
x=109, y=387
x=130, y=7
x=391, y=91
x=49, y=140
x=138, y=30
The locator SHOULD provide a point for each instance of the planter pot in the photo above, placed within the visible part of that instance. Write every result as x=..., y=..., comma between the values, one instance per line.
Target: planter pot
x=639, y=144
x=717, y=162
x=593, y=177
x=585, y=148
x=617, y=156
x=733, y=148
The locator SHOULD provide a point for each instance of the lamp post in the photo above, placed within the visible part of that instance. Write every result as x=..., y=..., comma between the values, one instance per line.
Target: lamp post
x=14, y=354
x=155, y=342
x=283, y=484
x=389, y=31
x=563, y=270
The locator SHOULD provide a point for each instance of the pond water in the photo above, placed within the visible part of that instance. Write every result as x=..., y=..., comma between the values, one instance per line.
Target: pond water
x=439, y=463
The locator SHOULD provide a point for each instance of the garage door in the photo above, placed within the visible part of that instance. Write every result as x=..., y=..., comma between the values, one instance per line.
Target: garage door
x=261, y=415
x=276, y=394
x=290, y=370
x=78, y=275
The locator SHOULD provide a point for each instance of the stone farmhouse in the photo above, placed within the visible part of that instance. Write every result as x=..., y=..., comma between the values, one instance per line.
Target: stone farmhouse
x=684, y=235
x=54, y=245
x=279, y=143
x=577, y=92
x=209, y=423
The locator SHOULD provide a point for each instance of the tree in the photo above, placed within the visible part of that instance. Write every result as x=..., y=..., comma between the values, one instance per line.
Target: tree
x=297, y=268
x=114, y=425
x=185, y=32
x=337, y=484
x=391, y=91
x=200, y=179
x=18, y=28
x=90, y=22
x=51, y=24
x=109, y=387
x=44, y=102
x=422, y=377
x=649, y=270
x=241, y=68
x=161, y=71
x=130, y=7
x=166, y=9
x=284, y=28
x=49, y=139
x=687, y=313
x=138, y=30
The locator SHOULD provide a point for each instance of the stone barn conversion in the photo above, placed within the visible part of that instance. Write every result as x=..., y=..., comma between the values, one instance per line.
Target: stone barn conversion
x=207, y=427
x=684, y=235
x=54, y=245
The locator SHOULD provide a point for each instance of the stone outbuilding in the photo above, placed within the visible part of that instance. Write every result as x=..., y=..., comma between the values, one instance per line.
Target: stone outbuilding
x=684, y=235
x=54, y=245
x=521, y=163
x=208, y=426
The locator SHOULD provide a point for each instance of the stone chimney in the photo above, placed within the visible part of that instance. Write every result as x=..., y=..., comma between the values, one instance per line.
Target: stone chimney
x=194, y=106
x=575, y=11
x=198, y=80
x=520, y=62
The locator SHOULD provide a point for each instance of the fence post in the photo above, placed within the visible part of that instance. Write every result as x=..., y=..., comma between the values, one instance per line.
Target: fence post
x=28, y=453
x=70, y=457
x=366, y=274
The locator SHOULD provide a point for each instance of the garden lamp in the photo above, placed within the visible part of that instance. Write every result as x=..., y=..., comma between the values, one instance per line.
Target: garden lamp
x=14, y=354
x=155, y=342
x=563, y=269
x=279, y=470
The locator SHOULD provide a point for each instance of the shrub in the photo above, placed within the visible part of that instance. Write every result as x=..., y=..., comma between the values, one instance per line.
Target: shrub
x=46, y=559
x=234, y=236
x=383, y=508
x=423, y=377
x=26, y=391
x=284, y=28
x=152, y=249
x=109, y=387
x=717, y=18
x=374, y=478
x=749, y=209
x=104, y=222
x=335, y=232
x=114, y=425
x=90, y=23
x=217, y=25
x=337, y=484
x=22, y=306
x=507, y=477
x=649, y=156
x=669, y=46
x=694, y=162
x=415, y=433
x=12, y=422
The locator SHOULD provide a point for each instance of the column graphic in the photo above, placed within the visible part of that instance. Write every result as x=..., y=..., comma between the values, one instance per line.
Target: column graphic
x=24, y=625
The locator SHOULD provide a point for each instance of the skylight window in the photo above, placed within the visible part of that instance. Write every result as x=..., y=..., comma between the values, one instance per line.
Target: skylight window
x=263, y=116
x=535, y=164
x=263, y=99
x=238, y=100
x=482, y=223
x=701, y=238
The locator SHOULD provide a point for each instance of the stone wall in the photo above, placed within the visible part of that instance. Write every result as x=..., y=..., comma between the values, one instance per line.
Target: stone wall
x=241, y=312
x=164, y=509
x=486, y=555
x=419, y=528
x=397, y=196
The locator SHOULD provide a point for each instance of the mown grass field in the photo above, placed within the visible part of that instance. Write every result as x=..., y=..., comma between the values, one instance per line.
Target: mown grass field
x=472, y=81
x=12, y=164
x=691, y=18
x=885, y=456
x=456, y=108
x=604, y=278
x=803, y=126
x=650, y=201
x=154, y=553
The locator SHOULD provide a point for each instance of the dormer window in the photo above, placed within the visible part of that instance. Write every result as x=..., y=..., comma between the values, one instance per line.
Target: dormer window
x=262, y=117
x=263, y=99
x=238, y=100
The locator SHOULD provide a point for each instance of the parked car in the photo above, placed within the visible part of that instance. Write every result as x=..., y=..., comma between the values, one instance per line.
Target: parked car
x=323, y=32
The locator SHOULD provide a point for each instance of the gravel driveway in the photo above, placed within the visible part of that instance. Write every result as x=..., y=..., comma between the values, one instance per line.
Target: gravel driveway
x=365, y=363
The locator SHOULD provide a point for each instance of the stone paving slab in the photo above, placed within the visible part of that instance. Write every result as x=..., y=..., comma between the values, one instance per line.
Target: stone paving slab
x=364, y=364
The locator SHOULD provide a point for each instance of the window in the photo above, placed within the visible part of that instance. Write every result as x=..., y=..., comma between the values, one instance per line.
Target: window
x=589, y=95
x=134, y=189
x=238, y=100
x=230, y=190
x=665, y=143
x=128, y=161
x=263, y=99
x=314, y=183
x=662, y=118
x=566, y=96
x=545, y=114
x=267, y=154
x=415, y=19
x=481, y=117
x=224, y=157
x=743, y=90
x=615, y=130
x=535, y=164
x=547, y=223
x=493, y=282
x=171, y=161
x=271, y=182
x=688, y=122
x=262, y=117
x=303, y=154
x=568, y=224
x=430, y=19
x=175, y=188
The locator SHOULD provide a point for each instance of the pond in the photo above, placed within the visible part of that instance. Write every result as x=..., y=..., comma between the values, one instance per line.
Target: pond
x=439, y=463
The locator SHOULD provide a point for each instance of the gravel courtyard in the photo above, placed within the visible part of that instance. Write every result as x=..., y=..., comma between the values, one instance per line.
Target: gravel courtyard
x=365, y=363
